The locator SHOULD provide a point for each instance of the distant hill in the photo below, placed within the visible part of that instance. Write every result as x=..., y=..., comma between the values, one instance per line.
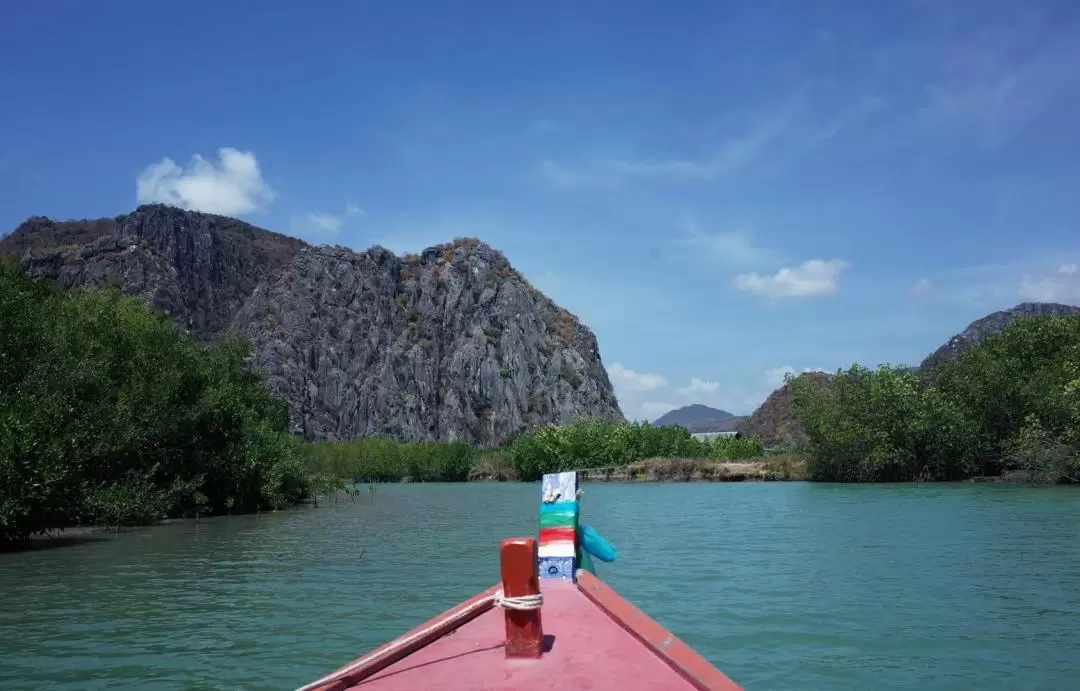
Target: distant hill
x=699, y=418
x=774, y=421
x=980, y=329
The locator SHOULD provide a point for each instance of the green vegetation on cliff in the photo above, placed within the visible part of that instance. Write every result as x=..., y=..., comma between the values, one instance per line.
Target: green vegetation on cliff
x=1011, y=403
x=108, y=415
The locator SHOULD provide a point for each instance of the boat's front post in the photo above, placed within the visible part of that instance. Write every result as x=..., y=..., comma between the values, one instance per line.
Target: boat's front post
x=517, y=564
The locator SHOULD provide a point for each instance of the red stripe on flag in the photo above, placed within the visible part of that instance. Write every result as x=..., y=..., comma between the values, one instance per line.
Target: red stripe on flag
x=549, y=535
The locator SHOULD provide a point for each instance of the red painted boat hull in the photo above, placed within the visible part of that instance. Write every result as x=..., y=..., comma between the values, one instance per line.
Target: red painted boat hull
x=593, y=639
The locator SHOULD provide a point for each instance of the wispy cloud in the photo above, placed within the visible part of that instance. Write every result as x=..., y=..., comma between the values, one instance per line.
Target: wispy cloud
x=631, y=388
x=569, y=177
x=1045, y=276
x=733, y=247
x=651, y=410
x=1061, y=286
x=315, y=225
x=731, y=157
x=777, y=376
x=846, y=119
x=321, y=225
x=627, y=379
x=232, y=186
x=739, y=398
x=993, y=78
x=812, y=278
x=699, y=387
x=546, y=282
x=734, y=155
x=922, y=288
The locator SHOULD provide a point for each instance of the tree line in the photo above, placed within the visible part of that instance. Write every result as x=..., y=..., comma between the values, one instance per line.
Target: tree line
x=1009, y=404
x=109, y=415
x=585, y=444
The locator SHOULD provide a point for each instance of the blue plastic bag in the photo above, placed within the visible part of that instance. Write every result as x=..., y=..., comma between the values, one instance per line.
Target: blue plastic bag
x=593, y=544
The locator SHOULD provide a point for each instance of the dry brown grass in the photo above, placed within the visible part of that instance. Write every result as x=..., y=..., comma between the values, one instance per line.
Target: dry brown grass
x=564, y=326
x=701, y=470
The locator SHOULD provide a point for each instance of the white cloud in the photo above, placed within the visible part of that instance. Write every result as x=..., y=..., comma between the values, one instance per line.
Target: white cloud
x=813, y=278
x=737, y=247
x=740, y=397
x=1063, y=286
x=729, y=158
x=698, y=387
x=571, y=178
x=546, y=282
x=733, y=156
x=776, y=377
x=733, y=247
x=652, y=410
x=736, y=155
x=921, y=288
x=629, y=380
x=232, y=186
x=316, y=224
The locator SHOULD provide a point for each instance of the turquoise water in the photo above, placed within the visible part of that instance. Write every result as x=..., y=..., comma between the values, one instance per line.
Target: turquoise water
x=782, y=586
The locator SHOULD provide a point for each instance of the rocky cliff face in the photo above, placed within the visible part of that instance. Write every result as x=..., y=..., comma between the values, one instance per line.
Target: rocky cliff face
x=197, y=268
x=981, y=329
x=774, y=421
x=449, y=344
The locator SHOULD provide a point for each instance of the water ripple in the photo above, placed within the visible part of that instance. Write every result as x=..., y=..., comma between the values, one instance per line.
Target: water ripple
x=782, y=586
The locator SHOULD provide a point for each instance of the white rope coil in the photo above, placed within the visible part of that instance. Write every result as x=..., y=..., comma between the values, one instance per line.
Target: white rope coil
x=521, y=603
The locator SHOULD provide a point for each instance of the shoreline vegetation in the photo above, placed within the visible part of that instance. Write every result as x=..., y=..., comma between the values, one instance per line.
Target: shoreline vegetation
x=1009, y=407
x=582, y=446
x=109, y=416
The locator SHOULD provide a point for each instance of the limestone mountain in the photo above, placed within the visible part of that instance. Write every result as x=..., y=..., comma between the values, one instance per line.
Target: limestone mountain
x=452, y=343
x=981, y=329
x=774, y=421
x=699, y=418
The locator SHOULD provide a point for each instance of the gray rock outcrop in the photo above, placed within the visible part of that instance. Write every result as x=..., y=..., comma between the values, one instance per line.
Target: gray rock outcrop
x=984, y=327
x=449, y=344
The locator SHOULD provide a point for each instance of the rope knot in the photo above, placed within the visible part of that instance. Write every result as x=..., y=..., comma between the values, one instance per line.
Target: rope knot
x=519, y=602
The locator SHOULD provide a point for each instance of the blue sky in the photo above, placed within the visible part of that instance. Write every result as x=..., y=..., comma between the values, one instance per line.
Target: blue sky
x=723, y=191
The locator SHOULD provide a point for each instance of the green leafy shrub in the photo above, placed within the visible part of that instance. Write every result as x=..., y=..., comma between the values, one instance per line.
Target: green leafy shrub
x=1011, y=403
x=597, y=444
x=109, y=415
x=585, y=444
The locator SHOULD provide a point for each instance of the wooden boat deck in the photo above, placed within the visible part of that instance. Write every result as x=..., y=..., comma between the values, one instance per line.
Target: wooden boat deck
x=585, y=649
